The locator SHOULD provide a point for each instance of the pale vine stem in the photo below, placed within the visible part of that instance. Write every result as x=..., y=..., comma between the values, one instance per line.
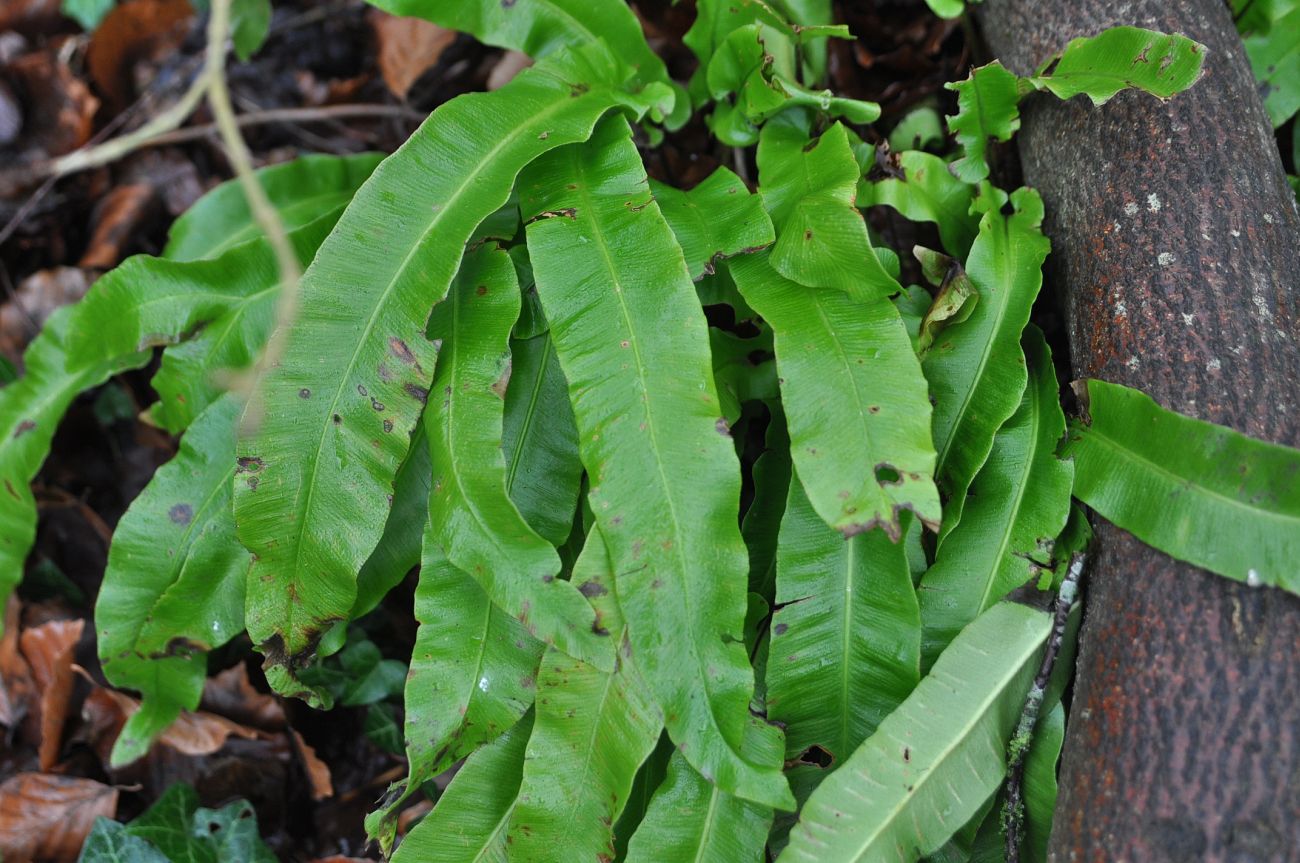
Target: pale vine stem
x=264, y=212
x=1013, y=809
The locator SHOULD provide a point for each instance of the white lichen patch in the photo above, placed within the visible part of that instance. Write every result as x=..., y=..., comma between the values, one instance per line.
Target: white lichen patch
x=1153, y=203
x=1164, y=259
x=1268, y=217
x=1130, y=209
x=1235, y=233
x=1213, y=365
x=1253, y=579
x=1187, y=319
x=1133, y=362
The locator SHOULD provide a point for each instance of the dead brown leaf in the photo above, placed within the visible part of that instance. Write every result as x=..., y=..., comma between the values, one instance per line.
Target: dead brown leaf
x=232, y=695
x=193, y=733
x=44, y=817
x=59, y=108
x=408, y=47
x=134, y=31
x=49, y=649
x=28, y=15
x=115, y=219
x=318, y=772
x=36, y=298
x=505, y=70
x=17, y=689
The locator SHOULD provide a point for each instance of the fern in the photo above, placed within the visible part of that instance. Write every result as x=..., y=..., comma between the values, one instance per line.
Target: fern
x=550, y=382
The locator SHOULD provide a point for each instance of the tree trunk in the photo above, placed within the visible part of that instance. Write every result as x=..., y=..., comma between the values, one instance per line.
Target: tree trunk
x=1176, y=244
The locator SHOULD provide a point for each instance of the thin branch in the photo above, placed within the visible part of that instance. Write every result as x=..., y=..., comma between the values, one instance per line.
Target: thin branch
x=1013, y=810
x=270, y=116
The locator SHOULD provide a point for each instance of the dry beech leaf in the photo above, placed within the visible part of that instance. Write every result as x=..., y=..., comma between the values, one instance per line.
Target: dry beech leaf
x=17, y=690
x=116, y=217
x=232, y=695
x=45, y=817
x=191, y=733
x=318, y=772
x=408, y=47
x=65, y=120
x=131, y=32
x=37, y=297
x=49, y=650
x=505, y=70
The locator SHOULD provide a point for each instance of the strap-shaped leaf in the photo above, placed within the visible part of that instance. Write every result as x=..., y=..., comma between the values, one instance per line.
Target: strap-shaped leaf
x=633, y=344
x=935, y=760
x=398, y=551
x=927, y=192
x=30, y=410
x=717, y=219
x=187, y=380
x=301, y=192
x=987, y=110
x=846, y=636
x=354, y=376
x=692, y=819
x=469, y=823
x=471, y=516
x=471, y=677
x=1275, y=60
x=810, y=189
x=1121, y=58
x=1019, y=503
x=976, y=368
x=1186, y=486
x=540, y=440
x=855, y=400
x=174, y=586
x=541, y=27
x=591, y=731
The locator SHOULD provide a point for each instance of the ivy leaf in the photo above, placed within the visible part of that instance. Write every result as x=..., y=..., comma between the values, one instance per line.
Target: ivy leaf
x=1184, y=485
x=947, y=8
x=927, y=192
x=986, y=110
x=934, y=761
x=110, y=842
x=328, y=452
x=1121, y=58
x=854, y=398
x=717, y=219
x=301, y=190
x=539, y=28
x=845, y=638
x=690, y=818
x=976, y=368
x=472, y=518
x=168, y=825
x=809, y=188
x=1019, y=503
x=633, y=343
x=174, y=585
x=468, y=825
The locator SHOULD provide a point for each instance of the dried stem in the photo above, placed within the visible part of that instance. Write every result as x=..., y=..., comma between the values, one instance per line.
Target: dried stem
x=1013, y=810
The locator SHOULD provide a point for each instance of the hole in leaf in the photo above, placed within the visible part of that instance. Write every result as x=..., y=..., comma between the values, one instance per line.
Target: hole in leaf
x=887, y=475
x=817, y=755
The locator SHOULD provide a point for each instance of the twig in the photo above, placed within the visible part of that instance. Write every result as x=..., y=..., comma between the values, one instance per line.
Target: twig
x=270, y=116
x=1013, y=810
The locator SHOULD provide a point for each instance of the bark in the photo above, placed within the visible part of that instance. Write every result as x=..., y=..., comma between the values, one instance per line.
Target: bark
x=1176, y=244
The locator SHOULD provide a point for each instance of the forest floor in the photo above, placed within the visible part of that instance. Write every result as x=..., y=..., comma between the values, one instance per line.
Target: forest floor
x=356, y=80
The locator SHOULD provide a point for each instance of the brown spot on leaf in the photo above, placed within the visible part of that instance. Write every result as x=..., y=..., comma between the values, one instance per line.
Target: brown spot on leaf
x=23, y=428
x=592, y=588
x=418, y=393
x=181, y=513
x=249, y=464
x=780, y=629
x=304, y=393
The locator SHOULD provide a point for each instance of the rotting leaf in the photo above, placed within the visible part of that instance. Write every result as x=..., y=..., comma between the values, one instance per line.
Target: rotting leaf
x=47, y=817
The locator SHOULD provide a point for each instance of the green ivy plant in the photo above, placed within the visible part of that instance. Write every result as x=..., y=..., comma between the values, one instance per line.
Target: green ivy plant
x=501, y=370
